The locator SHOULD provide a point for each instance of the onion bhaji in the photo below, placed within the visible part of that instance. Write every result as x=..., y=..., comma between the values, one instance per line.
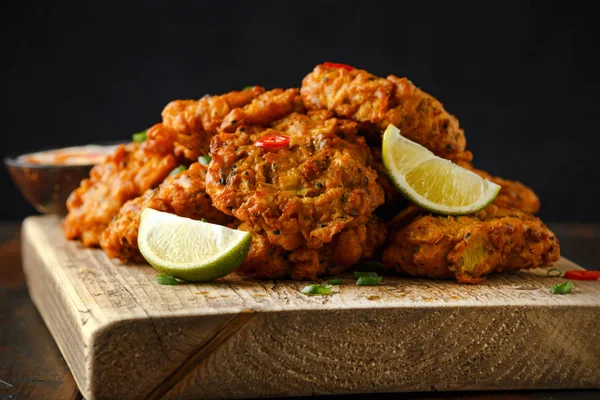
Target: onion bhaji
x=266, y=260
x=182, y=194
x=124, y=175
x=468, y=248
x=368, y=99
x=312, y=198
x=264, y=109
x=301, y=194
x=196, y=121
x=513, y=194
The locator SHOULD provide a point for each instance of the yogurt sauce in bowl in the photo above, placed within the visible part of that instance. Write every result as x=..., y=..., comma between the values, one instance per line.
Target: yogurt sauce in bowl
x=46, y=178
x=75, y=155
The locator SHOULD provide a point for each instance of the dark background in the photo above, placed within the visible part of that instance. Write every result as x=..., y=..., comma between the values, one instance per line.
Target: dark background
x=522, y=77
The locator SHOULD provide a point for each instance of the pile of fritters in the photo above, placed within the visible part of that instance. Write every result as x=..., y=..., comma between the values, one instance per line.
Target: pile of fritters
x=321, y=203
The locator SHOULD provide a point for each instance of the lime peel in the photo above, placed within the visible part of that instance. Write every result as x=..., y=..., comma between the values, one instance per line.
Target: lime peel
x=432, y=182
x=190, y=250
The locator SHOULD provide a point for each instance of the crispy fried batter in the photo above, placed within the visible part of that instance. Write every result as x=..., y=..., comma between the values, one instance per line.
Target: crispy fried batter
x=366, y=98
x=264, y=109
x=468, y=248
x=513, y=194
x=196, y=121
x=300, y=195
x=266, y=260
x=126, y=174
x=182, y=194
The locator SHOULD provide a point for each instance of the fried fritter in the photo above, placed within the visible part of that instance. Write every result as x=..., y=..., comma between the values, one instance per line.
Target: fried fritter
x=513, y=194
x=182, y=194
x=266, y=260
x=302, y=194
x=196, y=121
x=264, y=109
x=124, y=175
x=368, y=99
x=468, y=248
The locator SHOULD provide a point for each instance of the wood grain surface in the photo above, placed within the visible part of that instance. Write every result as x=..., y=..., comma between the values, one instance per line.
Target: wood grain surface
x=125, y=336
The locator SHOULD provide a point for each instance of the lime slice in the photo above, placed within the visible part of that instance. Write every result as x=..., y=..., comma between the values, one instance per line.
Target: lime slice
x=432, y=182
x=188, y=249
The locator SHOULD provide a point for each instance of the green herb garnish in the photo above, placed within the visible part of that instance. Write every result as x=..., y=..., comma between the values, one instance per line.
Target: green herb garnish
x=177, y=170
x=247, y=87
x=204, y=160
x=140, y=137
x=337, y=281
x=203, y=220
x=360, y=274
x=554, y=273
x=316, y=289
x=369, y=281
x=163, y=279
x=562, y=288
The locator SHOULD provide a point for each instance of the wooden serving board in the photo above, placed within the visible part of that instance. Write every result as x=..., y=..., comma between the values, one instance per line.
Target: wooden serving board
x=125, y=336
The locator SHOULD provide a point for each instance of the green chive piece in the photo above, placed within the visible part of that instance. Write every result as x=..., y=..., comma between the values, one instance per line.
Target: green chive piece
x=177, y=170
x=335, y=281
x=360, y=274
x=562, y=288
x=204, y=160
x=247, y=87
x=203, y=220
x=140, y=137
x=369, y=281
x=316, y=289
x=163, y=279
x=554, y=273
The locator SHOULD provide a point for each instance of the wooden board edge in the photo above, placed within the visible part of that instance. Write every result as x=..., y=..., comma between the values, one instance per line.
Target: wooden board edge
x=400, y=350
x=56, y=308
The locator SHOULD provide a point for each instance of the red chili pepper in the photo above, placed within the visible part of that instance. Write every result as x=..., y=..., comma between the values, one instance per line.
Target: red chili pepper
x=338, y=65
x=582, y=275
x=272, y=142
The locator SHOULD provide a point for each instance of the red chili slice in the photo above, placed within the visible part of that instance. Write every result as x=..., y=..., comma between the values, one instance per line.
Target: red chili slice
x=582, y=275
x=272, y=142
x=338, y=65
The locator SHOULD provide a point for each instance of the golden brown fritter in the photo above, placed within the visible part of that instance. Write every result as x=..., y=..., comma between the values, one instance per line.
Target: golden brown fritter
x=264, y=109
x=266, y=260
x=196, y=121
x=124, y=175
x=302, y=194
x=468, y=248
x=513, y=194
x=368, y=99
x=182, y=194
x=394, y=200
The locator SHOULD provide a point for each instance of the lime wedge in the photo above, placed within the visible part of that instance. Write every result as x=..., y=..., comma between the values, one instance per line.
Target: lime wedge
x=188, y=249
x=432, y=182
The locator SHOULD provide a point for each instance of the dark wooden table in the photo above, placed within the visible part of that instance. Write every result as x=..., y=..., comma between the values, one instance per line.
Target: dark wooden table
x=31, y=366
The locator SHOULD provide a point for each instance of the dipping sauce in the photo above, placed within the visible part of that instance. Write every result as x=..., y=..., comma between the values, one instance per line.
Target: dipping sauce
x=76, y=155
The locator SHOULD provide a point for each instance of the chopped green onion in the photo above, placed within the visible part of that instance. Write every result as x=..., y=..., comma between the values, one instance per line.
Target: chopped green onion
x=360, y=274
x=316, y=289
x=248, y=87
x=368, y=281
x=203, y=220
x=177, y=170
x=163, y=279
x=562, y=288
x=335, y=281
x=204, y=160
x=140, y=136
x=554, y=273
